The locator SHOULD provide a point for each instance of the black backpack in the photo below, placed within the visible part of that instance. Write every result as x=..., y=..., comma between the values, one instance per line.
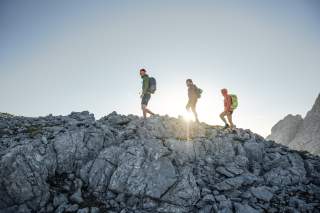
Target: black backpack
x=152, y=85
x=199, y=92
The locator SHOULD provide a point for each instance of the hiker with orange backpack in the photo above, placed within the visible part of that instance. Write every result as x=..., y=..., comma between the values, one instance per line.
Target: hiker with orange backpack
x=230, y=104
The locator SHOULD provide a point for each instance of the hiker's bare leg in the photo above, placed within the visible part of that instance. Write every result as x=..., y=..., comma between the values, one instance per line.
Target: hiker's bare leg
x=222, y=115
x=195, y=114
x=143, y=107
x=145, y=111
x=148, y=111
x=229, y=116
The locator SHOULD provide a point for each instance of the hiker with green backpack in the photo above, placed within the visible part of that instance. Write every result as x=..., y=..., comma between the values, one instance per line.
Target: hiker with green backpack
x=148, y=88
x=230, y=104
x=194, y=93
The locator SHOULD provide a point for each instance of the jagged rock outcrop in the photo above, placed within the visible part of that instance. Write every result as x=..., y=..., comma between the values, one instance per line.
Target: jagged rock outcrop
x=286, y=129
x=298, y=133
x=126, y=164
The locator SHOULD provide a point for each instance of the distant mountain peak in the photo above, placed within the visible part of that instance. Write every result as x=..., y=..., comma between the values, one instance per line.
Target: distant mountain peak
x=316, y=105
x=298, y=133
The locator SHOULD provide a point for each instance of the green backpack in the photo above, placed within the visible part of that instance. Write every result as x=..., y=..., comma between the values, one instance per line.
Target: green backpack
x=234, y=103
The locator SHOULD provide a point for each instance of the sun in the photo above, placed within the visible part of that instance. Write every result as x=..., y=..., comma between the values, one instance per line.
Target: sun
x=188, y=116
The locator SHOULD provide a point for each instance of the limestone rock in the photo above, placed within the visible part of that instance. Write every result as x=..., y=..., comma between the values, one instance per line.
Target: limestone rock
x=124, y=163
x=286, y=129
x=298, y=133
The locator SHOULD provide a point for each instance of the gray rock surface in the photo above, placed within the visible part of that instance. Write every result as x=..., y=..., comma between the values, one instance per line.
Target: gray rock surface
x=72, y=208
x=286, y=129
x=123, y=163
x=77, y=197
x=262, y=193
x=240, y=208
x=298, y=133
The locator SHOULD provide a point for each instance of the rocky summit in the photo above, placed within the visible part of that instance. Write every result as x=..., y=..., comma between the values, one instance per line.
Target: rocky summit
x=126, y=164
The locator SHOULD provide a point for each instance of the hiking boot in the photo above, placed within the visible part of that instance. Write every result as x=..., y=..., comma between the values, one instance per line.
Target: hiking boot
x=226, y=126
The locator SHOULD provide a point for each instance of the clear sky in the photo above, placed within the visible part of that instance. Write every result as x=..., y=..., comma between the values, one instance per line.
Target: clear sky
x=62, y=56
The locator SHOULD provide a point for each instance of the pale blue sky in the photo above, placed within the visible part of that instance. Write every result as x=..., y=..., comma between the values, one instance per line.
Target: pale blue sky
x=62, y=56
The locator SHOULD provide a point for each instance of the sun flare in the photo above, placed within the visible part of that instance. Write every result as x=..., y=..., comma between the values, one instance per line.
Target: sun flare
x=188, y=116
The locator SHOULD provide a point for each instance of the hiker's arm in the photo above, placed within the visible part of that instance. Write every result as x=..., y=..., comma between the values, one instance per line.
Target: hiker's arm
x=228, y=104
x=188, y=105
x=145, y=86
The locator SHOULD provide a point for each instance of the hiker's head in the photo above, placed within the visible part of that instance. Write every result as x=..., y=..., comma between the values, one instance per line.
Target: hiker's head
x=142, y=72
x=189, y=82
x=224, y=92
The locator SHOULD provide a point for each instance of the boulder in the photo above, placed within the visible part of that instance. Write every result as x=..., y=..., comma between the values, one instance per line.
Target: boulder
x=262, y=193
x=77, y=197
x=185, y=192
x=241, y=208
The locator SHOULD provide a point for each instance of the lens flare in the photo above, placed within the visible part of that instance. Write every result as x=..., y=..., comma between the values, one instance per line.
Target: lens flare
x=188, y=117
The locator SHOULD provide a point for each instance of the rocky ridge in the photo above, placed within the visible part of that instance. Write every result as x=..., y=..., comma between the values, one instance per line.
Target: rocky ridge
x=126, y=164
x=299, y=133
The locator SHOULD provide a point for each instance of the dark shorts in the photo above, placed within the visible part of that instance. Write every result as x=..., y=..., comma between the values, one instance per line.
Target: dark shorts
x=145, y=99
